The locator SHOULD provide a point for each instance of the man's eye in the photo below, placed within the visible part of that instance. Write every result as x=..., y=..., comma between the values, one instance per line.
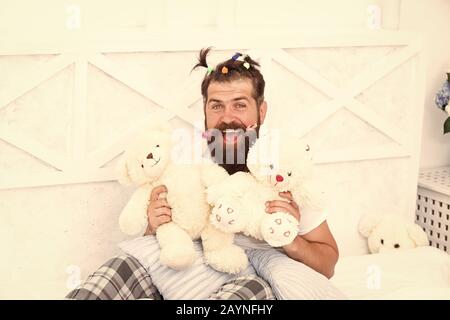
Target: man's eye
x=240, y=106
x=216, y=107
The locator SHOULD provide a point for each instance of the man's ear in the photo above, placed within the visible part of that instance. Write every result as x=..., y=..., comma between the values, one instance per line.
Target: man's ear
x=122, y=173
x=262, y=111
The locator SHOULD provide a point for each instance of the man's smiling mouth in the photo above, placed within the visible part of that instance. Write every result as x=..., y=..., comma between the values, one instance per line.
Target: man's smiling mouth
x=230, y=135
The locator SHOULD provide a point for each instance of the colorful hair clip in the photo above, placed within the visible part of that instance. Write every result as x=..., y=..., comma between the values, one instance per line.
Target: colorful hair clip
x=224, y=70
x=210, y=69
x=206, y=134
x=246, y=65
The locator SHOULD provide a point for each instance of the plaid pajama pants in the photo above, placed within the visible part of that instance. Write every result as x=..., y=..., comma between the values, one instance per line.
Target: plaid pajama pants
x=124, y=278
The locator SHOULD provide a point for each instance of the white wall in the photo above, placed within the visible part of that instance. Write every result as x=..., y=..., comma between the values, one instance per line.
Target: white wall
x=432, y=17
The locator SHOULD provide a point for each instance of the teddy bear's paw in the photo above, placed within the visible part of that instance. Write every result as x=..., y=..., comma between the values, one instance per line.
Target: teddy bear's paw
x=177, y=256
x=226, y=217
x=231, y=259
x=279, y=229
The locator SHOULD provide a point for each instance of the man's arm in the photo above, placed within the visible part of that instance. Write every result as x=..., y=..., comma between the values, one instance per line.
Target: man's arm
x=316, y=249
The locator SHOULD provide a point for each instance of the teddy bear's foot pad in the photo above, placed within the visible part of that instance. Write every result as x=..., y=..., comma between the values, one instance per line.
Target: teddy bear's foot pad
x=279, y=229
x=230, y=259
x=226, y=218
x=178, y=257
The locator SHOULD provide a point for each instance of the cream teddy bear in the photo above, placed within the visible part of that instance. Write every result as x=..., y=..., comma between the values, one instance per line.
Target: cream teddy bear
x=391, y=232
x=239, y=200
x=147, y=163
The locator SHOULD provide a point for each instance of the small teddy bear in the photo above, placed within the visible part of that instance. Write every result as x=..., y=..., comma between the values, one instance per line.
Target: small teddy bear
x=239, y=200
x=388, y=232
x=147, y=163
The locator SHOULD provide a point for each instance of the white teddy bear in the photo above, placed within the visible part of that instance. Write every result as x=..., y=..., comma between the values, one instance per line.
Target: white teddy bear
x=389, y=232
x=239, y=200
x=147, y=162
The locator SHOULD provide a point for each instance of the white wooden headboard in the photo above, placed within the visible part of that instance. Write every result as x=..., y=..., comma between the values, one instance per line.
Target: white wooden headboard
x=67, y=110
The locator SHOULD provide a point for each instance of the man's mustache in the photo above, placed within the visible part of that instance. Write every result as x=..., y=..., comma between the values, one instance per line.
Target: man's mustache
x=230, y=126
x=221, y=129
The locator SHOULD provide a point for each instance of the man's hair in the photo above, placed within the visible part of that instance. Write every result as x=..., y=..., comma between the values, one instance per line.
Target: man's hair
x=236, y=69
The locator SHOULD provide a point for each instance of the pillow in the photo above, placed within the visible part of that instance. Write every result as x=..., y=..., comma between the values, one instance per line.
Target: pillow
x=195, y=283
x=290, y=279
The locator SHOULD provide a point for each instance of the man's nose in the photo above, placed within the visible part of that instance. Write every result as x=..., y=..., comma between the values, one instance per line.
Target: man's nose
x=228, y=115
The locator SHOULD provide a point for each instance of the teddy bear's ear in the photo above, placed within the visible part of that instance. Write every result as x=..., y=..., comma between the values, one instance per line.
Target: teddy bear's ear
x=417, y=234
x=122, y=173
x=367, y=223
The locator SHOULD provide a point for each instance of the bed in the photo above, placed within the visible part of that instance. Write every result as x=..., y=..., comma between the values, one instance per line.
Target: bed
x=420, y=273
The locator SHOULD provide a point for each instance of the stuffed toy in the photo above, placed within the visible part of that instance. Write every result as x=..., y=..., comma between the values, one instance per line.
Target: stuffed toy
x=239, y=200
x=391, y=232
x=147, y=163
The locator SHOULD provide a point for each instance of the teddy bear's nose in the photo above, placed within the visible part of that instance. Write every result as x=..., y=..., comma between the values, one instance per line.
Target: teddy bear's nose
x=279, y=178
x=150, y=156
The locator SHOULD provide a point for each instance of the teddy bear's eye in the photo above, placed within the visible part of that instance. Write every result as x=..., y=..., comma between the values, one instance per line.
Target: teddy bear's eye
x=396, y=246
x=289, y=174
x=271, y=166
x=307, y=147
x=382, y=241
x=157, y=145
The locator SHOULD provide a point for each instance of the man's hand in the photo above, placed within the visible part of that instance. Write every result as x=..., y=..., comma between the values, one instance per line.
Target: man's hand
x=289, y=206
x=158, y=212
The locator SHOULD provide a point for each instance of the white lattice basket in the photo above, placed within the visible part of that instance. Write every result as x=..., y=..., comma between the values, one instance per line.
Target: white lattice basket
x=433, y=206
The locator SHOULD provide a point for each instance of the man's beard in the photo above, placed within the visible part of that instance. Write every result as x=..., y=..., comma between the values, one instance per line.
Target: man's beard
x=229, y=144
